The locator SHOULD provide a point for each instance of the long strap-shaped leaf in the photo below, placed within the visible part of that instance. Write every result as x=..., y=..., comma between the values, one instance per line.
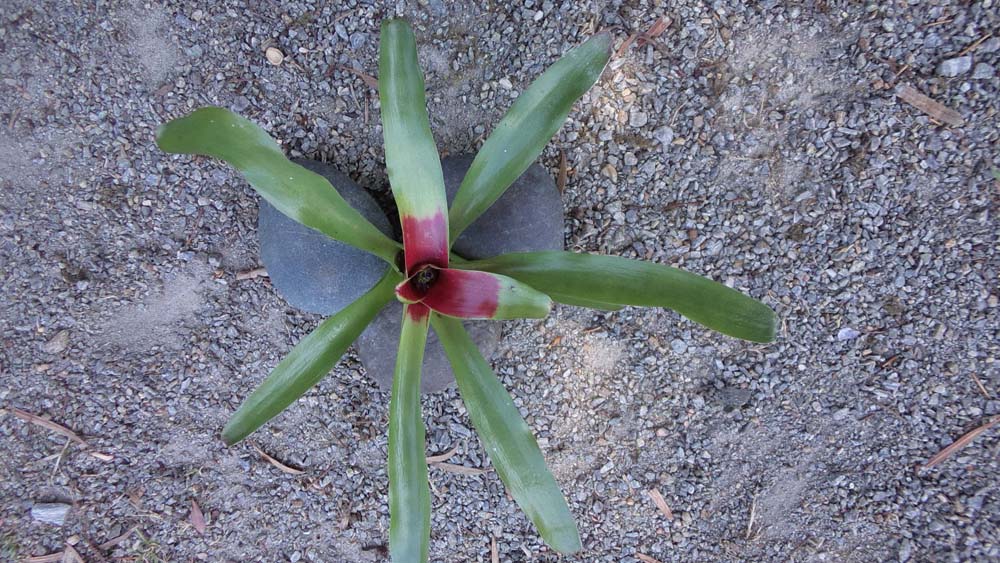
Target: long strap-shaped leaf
x=411, y=156
x=297, y=192
x=507, y=438
x=612, y=279
x=526, y=128
x=309, y=361
x=409, y=490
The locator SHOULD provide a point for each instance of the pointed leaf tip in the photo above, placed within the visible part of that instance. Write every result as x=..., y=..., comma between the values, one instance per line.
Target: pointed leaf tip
x=578, y=278
x=311, y=359
x=295, y=191
x=508, y=439
x=518, y=140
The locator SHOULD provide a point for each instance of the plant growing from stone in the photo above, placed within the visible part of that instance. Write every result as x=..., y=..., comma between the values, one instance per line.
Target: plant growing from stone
x=439, y=288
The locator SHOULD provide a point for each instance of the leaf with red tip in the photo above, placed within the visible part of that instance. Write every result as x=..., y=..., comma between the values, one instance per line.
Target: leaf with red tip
x=411, y=156
x=470, y=294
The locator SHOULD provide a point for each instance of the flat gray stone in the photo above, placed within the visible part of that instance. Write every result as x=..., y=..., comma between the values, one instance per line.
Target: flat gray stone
x=955, y=67
x=53, y=513
x=378, y=343
x=312, y=271
x=982, y=71
x=527, y=217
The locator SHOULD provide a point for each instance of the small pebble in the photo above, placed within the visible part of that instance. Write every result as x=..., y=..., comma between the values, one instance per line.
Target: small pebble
x=53, y=513
x=274, y=55
x=847, y=333
x=955, y=67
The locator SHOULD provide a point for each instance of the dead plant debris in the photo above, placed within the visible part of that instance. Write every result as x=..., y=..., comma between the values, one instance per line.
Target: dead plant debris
x=661, y=504
x=281, y=466
x=935, y=110
x=960, y=443
x=197, y=518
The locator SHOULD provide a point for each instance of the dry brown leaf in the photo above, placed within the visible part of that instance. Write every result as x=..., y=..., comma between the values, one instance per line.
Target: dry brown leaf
x=197, y=518
x=646, y=558
x=934, y=109
x=563, y=172
x=442, y=457
x=252, y=274
x=661, y=503
x=960, y=443
x=460, y=469
x=284, y=468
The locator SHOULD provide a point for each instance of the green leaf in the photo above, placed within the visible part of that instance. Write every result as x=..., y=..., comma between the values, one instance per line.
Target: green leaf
x=583, y=302
x=309, y=361
x=507, y=439
x=612, y=279
x=526, y=128
x=297, y=192
x=409, y=490
x=411, y=157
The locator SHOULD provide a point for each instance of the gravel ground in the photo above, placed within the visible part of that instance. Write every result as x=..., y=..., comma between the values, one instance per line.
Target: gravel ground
x=760, y=145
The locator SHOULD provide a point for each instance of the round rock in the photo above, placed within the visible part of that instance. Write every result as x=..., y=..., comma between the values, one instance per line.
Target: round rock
x=312, y=271
x=378, y=343
x=528, y=217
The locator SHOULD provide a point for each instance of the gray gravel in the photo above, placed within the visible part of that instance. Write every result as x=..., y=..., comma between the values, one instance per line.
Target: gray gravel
x=760, y=145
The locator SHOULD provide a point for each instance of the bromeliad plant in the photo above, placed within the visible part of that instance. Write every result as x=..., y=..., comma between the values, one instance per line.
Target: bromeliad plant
x=438, y=288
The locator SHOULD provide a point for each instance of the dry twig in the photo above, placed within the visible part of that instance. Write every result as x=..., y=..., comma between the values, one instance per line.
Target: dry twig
x=753, y=518
x=934, y=109
x=432, y=459
x=960, y=443
x=252, y=274
x=118, y=539
x=58, y=429
x=460, y=469
x=49, y=425
x=563, y=172
x=368, y=79
x=284, y=468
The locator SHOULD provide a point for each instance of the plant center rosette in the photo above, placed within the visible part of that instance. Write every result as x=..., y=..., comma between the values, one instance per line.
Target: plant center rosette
x=468, y=294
